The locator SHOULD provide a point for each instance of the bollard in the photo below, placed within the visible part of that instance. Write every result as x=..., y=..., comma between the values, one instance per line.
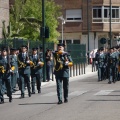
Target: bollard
x=70, y=71
x=79, y=68
x=84, y=68
x=73, y=71
x=76, y=69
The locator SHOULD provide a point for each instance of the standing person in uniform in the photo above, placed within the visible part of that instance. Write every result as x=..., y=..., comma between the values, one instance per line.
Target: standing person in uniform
x=14, y=74
x=24, y=70
x=62, y=62
x=36, y=70
x=48, y=64
x=6, y=68
x=112, y=61
x=101, y=64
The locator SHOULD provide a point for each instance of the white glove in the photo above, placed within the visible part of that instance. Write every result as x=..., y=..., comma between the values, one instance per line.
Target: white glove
x=96, y=62
x=66, y=63
x=11, y=71
x=28, y=61
x=39, y=63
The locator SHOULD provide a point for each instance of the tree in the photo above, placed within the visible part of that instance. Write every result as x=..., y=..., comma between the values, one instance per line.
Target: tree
x=26, y=17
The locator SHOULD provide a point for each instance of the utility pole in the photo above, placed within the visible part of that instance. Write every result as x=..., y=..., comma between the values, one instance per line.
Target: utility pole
x=88, y=28
x=43, y=39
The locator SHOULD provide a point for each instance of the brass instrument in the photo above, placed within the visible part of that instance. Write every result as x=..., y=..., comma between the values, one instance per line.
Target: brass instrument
x=32, y=64
x=13, y=68
x=2, y=69
x=58, y=62
x=21, y=64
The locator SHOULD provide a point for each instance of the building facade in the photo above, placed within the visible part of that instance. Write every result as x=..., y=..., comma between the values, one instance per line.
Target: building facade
x=4, y=14
x=90, y=16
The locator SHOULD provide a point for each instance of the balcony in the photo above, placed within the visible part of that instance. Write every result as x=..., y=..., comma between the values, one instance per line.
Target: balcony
x=105, y=2
x=106, y=20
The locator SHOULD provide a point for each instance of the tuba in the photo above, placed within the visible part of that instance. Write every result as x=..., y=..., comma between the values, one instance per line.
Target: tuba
x=57, y=61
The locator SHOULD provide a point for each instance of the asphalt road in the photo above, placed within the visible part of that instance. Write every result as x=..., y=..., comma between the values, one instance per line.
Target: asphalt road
x=88, y=100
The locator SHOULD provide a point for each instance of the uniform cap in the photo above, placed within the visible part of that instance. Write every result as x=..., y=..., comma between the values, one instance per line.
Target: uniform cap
x=61, y=44
x=4, y=49
x=117, y=47
x=13, y=49
x=24, y=46
x=101, y=49
x=34, y=49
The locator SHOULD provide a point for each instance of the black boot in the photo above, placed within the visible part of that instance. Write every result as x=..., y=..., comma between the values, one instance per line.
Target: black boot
x=60, y=102
x=29, y=94
x=22, y=95
x=2, y=101
x=10, y=99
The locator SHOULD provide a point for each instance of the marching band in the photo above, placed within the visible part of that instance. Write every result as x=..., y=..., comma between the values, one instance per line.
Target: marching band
x=25, y=70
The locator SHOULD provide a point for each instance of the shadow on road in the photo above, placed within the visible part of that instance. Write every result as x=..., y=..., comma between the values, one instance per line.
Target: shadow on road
x=35, y=103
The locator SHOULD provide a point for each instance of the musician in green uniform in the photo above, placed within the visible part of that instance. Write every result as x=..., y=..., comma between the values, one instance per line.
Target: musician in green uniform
x=24, y=70
x=62, y=62
x=6, y=68
x=36, y=69
x=112, y=61
x=14, y=74
x=101, y=64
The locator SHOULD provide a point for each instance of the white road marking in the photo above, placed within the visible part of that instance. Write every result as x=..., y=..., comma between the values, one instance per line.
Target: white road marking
x=77, y=93
x=104, y=92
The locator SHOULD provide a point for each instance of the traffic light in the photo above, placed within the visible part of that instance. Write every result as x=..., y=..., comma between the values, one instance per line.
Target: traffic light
x=47, y=32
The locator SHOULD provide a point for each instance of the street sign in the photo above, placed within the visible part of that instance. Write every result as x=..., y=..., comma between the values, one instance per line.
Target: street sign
x=103, y=40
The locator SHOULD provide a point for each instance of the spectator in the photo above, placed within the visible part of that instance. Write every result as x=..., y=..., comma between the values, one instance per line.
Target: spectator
x=48, y=64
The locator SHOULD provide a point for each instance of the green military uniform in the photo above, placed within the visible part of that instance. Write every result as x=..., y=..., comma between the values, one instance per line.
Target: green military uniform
x=15, y=72
x=112, y=61
x=101, y=65
x=36, y=72
x=62, y=74
x=24, y=72
x=5, y=76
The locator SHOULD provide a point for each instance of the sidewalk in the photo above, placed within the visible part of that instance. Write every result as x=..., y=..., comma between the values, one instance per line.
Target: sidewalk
x=88, y=73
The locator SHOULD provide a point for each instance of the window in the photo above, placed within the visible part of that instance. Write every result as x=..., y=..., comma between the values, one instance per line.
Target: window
x=115, y=12
x=76, y=41
x=74, y=15
x=102, y=14
x=97, y=12
x=106, y=12
x=68, y=41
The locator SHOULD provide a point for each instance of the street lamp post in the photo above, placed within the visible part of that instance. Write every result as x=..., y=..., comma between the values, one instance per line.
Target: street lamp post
x=62, y=23
x=110, y=25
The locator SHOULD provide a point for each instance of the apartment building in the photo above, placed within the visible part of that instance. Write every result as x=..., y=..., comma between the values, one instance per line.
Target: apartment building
x=82, y=16
x=4, y=14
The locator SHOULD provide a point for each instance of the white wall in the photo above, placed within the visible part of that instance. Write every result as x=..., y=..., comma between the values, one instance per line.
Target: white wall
x=84, y=40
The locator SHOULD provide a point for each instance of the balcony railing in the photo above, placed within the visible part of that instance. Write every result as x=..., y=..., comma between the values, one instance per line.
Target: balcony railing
x=106, y=20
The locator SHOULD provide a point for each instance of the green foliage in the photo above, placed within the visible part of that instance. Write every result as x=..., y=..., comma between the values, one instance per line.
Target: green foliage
x=32, y=9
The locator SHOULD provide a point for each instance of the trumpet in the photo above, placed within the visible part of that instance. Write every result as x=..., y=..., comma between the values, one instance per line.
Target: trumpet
x=32, y=64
